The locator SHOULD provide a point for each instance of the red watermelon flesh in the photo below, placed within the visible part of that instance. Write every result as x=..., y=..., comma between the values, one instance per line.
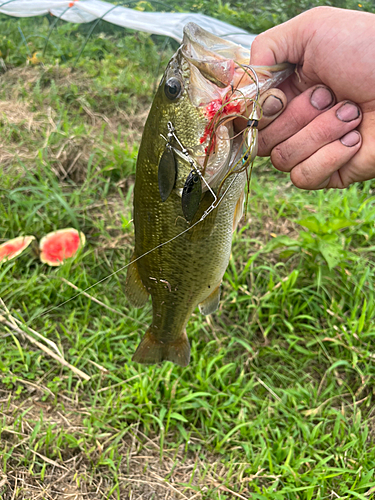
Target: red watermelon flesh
x=11, y=248
x=60, y=245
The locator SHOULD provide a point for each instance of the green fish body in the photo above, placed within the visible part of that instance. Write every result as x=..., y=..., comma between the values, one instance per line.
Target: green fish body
x=178, y=262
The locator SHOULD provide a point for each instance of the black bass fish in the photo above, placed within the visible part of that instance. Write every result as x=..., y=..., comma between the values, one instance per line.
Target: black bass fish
x=189, y=186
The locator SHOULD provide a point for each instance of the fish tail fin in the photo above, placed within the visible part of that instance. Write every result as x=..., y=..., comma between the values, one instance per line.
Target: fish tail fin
x=151, y=350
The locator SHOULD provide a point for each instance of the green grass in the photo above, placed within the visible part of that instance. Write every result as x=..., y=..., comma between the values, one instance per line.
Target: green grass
x=277, y=402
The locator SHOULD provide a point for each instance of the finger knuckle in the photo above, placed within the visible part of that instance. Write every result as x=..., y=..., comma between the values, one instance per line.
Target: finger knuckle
x=321, y=9
x=345, y=181
x=296, y=119
x=264, y=146
x=321, y=134
x=257, y=43
x=280, y=157
x=303, y=177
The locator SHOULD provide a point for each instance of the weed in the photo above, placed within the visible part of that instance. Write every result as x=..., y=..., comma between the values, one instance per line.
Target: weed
x=277, y=402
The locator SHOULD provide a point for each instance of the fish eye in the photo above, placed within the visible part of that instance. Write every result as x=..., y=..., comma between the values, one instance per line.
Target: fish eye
x=172, y=88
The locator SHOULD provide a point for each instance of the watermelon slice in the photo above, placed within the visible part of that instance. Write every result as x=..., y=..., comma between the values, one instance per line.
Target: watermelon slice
x=12, y=248
x=60, y=245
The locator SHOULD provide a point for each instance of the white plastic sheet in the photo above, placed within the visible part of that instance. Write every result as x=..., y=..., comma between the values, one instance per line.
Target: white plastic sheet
x=158, y=23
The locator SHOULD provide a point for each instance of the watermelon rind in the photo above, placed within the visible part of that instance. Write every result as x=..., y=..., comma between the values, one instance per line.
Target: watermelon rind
x=24, y=241
x=58, y=258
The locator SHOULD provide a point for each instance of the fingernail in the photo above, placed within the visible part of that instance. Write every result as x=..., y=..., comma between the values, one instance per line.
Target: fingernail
x=348, y=112
x=272, y=105
x=321, y=98
x=351, y=139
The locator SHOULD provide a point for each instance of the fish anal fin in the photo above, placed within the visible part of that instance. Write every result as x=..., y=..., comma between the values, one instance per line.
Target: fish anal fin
x=152, y=350
x=238, y=211
x=135, y=290
x=211, y=303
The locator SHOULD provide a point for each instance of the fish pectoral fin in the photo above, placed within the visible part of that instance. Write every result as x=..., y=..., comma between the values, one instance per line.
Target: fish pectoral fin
x=238, y=211
x=135, y=290
x=211, y=303
x=152, y=350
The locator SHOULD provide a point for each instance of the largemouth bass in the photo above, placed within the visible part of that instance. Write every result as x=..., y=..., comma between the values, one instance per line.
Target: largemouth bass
x=189, y=186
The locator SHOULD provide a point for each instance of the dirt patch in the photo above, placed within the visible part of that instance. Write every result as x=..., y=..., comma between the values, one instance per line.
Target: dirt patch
x=17, y=120
x=144, y=471
x=90, y=133
x=17, y=113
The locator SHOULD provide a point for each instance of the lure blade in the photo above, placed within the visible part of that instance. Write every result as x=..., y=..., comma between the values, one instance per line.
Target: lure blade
x=252, y=143
x=191, y=195
x=167, y=172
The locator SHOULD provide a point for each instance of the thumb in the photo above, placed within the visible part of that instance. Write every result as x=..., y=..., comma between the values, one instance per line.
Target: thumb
x=265, y=51
x=288, y=41
x=292, y=42
x=283, y=43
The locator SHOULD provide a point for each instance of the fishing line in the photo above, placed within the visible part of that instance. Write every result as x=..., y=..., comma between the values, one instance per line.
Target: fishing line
x=211, y=208
x=217, y=119
x=207, y=212
x=193, y=164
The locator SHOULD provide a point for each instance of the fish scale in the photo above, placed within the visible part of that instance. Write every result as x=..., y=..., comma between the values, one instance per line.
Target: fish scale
x=180, y=263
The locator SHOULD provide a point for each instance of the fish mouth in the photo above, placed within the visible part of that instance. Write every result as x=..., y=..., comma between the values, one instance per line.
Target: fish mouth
x=222, y=86
x=212, y=56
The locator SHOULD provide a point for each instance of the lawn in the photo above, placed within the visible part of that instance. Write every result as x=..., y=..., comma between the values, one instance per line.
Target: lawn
x=278, y=399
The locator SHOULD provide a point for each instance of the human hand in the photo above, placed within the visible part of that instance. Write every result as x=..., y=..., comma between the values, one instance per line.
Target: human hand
x=321, y=143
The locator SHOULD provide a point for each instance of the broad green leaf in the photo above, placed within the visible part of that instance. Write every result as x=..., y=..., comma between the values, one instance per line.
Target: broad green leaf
x=336, y=224
x=311, y=223
x=331, y=253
